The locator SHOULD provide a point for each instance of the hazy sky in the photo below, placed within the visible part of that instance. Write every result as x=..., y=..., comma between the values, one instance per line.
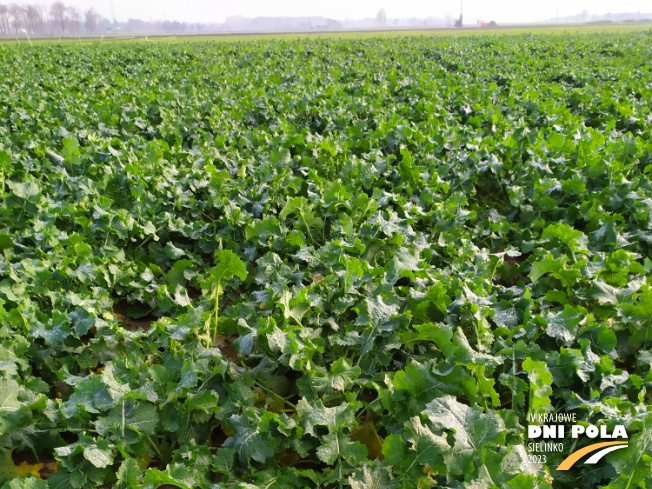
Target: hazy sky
x=218, y=10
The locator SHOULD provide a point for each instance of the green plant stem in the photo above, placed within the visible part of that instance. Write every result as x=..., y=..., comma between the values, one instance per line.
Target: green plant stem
x=305, y=223
x=494, y=271
x=217, y=315
x=631, y=476
x=366, y=408
x=277, y=396
x=154, y=446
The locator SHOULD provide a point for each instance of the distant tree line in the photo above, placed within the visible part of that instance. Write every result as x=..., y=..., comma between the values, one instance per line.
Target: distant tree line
x=62, y=20
x=38, y=20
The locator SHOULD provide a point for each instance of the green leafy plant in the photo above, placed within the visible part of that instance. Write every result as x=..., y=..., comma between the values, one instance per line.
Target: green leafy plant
x=228, y=266
x=324, y=263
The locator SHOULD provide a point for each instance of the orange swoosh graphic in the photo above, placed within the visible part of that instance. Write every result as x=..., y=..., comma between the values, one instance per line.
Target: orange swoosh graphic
x=575, y=456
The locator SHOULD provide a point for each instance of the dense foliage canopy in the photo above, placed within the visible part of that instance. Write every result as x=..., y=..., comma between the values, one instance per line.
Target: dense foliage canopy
x=324, y=263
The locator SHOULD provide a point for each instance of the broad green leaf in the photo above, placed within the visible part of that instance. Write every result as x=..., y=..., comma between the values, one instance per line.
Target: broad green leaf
x=563, y=325
x=71, y=152
x=176, y=475
x=317, y=414
x=228, y=265
x=337, y=445
x=486, y=385
x=128, y=474
x=557, y=267
x=566, y=234
x=374, y=476
x=9, y=390
x=300, y=207
x=540, y=385
x=224, y=460
x=417, y=384
x=99, y=456
x=141, y=417
x=340, y=378
x=472, y=430
x=28, y=191
x=418, y=448
x=606, y=294
x=249, y=441
x=295, y=307
x=92, y=394
x=29, y=482
x=404, y=260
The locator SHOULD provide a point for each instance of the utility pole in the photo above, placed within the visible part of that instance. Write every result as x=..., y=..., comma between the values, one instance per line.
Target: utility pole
x=458, y=22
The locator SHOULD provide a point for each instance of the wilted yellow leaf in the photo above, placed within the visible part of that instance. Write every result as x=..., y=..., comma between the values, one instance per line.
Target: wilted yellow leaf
x=367, y=435
x=9, y=470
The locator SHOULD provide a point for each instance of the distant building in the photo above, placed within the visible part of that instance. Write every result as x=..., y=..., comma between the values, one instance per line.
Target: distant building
x=265, y=24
